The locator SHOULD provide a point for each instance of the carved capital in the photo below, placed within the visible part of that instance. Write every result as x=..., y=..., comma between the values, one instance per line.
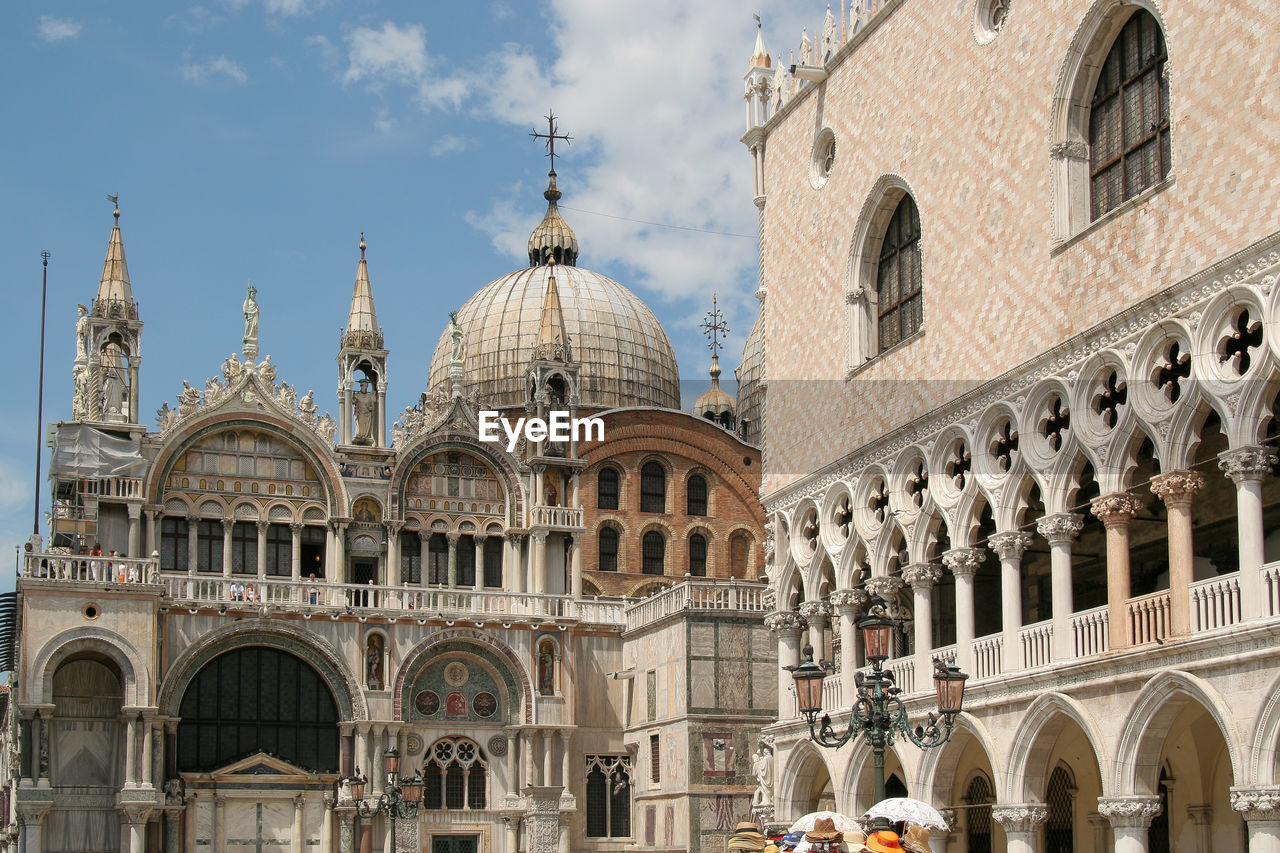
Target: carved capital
x=296, y=526
x=513, y=537
x=453, y=536
x=1177, y=487
x=227, y=524
x=854, y=600
x=1060, y=528
x=1010, y=544
x=964, y=562
x=784, y=622
x=1129, y=812
x=1256, y=803
x=263, y=525
x=1246, y=463
x=393, y=527
x=1115, y=510
x=1074, y=149
x=853, y=297
x=885, y=587
x=922, y=575
x=815, y=609
x=1023, y=817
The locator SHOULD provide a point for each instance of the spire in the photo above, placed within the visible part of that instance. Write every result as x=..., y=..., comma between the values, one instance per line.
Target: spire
x=553, y=341
x=553, y=240
x=362, y=323
x=115, y=295
x=715, y=404
x=759, y=55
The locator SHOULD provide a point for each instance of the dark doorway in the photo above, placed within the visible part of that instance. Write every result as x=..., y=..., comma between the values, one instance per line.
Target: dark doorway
x=312, y=551
x=364, y=570
x=454, y=844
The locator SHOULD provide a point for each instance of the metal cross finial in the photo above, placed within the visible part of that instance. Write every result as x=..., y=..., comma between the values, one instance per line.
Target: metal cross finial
x=714, y=326
x=551, y=136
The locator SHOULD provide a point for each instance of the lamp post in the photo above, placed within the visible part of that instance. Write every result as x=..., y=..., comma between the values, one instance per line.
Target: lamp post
x=878, y=713
x=401, y=798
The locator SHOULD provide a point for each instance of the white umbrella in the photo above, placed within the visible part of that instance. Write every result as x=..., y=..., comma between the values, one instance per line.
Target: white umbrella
x=842, y=823
x=907, y=810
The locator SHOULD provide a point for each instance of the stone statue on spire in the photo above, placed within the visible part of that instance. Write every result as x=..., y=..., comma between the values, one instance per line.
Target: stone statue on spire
x=251, y=312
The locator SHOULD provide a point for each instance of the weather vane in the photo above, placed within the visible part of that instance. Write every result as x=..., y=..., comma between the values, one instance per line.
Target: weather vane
x=114, y=199
x=551, y=136
x=714, y=326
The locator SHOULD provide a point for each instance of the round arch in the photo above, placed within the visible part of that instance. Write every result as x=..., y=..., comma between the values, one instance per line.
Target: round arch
x=497, y=654
x=937, y=771
x=434, y=442
x=133, y=667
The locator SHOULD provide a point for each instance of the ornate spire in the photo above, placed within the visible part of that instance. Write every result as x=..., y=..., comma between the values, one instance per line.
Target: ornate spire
x=716, y=404
x=115, y=294
x=553, y=341
x=759, y=55
x=362, y=322
x=553, y=240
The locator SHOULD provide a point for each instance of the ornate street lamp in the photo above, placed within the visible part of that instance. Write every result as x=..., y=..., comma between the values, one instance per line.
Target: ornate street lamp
x=401, y=798
x=878, y=713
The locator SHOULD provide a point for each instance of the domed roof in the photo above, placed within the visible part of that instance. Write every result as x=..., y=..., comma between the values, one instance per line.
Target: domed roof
x=623, y=353
x=751, y=385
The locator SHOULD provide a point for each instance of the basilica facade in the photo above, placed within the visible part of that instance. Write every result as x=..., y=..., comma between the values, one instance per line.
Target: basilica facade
x=1019, y=262
x=242, y=610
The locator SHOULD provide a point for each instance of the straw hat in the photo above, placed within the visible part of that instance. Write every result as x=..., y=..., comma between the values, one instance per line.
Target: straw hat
x=884, y=841
x=746, y=836
x=916, y=840
x=824, y=829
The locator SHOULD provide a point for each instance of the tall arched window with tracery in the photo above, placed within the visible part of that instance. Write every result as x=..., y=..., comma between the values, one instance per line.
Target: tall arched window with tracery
x=899, y=302
x=1060, y=797
x=455, y=775
x=978, y=798
x=1129, y=116
x=608, y=805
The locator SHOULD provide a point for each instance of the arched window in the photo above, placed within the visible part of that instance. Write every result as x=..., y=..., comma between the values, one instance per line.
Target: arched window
x=608, y=805
x=899, y=304
x=696, y=495
x=279, y=550
x=493, y=561
x=654, y=553
x=173, y=544
x=978, y=798
x=608, y=549
x=410, y=557
x=1059, y=797
x=607, y=488
x=698, y=555
x=653, y=488
x=257, y=699
x=438, y=559
x=455, y=775
x=1129, y=116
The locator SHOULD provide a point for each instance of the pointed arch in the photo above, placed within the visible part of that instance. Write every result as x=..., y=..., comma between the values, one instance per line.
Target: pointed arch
x=798, y=778
x=1028, y=770
x=937, y=771
x=1264, y=752
x=859, y=783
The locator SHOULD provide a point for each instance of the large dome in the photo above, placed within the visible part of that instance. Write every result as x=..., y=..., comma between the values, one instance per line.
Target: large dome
x=621, y=348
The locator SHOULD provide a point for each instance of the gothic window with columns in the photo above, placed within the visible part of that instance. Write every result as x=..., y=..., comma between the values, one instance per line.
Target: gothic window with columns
x=455, y=775
x=899, y=302
x=608, y=805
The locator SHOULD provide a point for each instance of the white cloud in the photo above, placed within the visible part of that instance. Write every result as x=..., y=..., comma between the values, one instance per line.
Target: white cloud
x=58, y=29
x=328, y=51
x=449, y=144
x=282, y=8
x=208, y=71
x=392, y=54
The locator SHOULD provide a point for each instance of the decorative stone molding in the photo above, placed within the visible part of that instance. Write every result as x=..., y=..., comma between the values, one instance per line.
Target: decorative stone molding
x=885, y=587
x=1072, y=149
x=922, y=575
x=1010, y=544
x=1023, y=817
x=784, y=621
x=964, y=562
x=1060, y=528
x=1115, y=510
x=1256, y=803
x=1246, y=463
x=1177, y=487
x=1129, y=812
x=845, y=599
x=812, y=609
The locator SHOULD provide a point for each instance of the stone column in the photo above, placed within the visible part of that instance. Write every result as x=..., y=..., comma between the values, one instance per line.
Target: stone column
x=922, y=577
x=227, y=525
x=1202, y=819
x=1021, y=825
x=478, y=539
x=130, y=721
x=1115, y=511
x=362, y=750
x=32, y=816
x=147, y=745
x=137, y=832
x=787, y=626
x=817, y=614
x=219, y=822
x=526, y=757
x=538, y=582
x=963, y=563
x=1260, y=808
x=548, y=754
x=575, y=566
x=512, y=571
x=377, y=773
x=1176, y=489
x=1061, y=529
x=849, y=603
x=295, y=552
x=40, y=760
x=1247, y=466
x=152, y=535
x=339, y=573
x=298, y=842
x=393, y=552
x=452, y=537
x=1009, y=546
x=189, y=821
x=346, y=832
x=262, y=549
x=1129, y=817
x=193, y=545
x=135, y=529
x=564, y=758
x=326, y=826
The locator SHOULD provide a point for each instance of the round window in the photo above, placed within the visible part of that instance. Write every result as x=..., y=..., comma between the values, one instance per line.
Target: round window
x=988, y=19
x=91, y=611
x=824, y=157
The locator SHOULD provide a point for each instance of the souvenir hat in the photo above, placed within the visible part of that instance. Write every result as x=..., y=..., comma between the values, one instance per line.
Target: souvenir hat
x=884, y=841
x=916, y=840
x=824, y=829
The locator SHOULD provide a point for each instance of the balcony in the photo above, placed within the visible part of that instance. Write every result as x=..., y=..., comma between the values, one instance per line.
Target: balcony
x=558, y=517
x=698, y=596
x=83, y=568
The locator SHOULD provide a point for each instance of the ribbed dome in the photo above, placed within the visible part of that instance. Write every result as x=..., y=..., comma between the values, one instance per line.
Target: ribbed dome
x=751, y=385
x=621, y=348
x=715, y=402
x=553, y=239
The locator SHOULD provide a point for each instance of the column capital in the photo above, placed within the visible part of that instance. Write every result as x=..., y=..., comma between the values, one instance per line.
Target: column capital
x=784, y=622
x=1246, y=463
x=299, y=801
x=1116, y=509
x=852, y=600
x=922, y=575
x=1257, y=803
x=964, y=562
x=1129, y=812
x=1060, y=528
x=452, y=537
x=263, y=525
x=1177, y=487
x=227, y=524
x=812, y=609
x=296, y=526
x=884, y=586
x=1020, y=817
x=513, y=536
x=393, y=527
x=1009, y=544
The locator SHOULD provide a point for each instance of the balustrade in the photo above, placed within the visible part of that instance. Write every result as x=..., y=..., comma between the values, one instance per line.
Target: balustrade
x=1089, y=631
x=1215, y=603
x=85, y=568
x=557, y=516
x=1149, y=617
x=988, y=656
x=1037, y=644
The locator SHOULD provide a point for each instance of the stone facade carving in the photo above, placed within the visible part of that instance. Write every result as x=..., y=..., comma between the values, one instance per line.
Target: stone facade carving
x=1010, y=544
x=1062, y=527
x=1246, y=463
x=1129, y=812
x=1176, y=487
x=1256, y=803
x=1024, y=817
x=1116, y=509
x=812, y=609
x=846, y=598
x=964, y=561
x=784, y=620
x=885, y=587
x=922, y=575
x=1074, y=149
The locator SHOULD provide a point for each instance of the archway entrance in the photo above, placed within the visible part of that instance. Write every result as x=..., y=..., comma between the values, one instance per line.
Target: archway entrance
x=87, y=756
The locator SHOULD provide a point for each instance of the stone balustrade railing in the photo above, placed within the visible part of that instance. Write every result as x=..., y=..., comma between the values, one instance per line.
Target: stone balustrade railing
x=87, y=568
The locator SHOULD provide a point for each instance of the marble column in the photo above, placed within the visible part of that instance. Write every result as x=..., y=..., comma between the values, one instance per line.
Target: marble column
x=479, y=575
x=152, y=535
x=922, y=577
x=1176, y=489
x=452, y=538
x=339, y=573
x=963, y=563
x=346, y=832
x=564, y=758
x=295, y=554
x=393, y=552
x=513, y=765
x=219, y=822
x=135, y=529
x=130, y=721
x=787, y=626
x=262, y=549
x=575, y=566
x=1009, y=546
x=227, y=525
x=548, y=754
x=326, y=826
x=32, y=816
x=1115, y=511
x=189, y=821
x=526, y=757
x=1130, y=817
x=1061, y=530
x=539, y=580
x=148, y=742
x=137, y=833
x=40, y=760
x=377, y=772
x=1021, y=824
x=512, y=572
x=1247, y=466
x=817, y=614
x=848, y=604
x=193, y=545
x=362, y=750
x=1260, y=808
x=298, y=841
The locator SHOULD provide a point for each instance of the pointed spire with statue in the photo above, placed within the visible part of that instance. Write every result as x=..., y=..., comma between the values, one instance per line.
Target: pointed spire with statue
x=362, y=368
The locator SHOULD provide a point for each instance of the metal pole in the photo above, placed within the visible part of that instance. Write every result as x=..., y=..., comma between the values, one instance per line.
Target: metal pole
x=44, y=290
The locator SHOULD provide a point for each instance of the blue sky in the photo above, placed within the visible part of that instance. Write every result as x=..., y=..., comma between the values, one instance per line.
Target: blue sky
x=256, y=139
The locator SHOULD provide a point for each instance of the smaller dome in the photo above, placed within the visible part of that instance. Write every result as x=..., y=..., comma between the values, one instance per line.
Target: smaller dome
x=553, y=240
x=716, y=404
